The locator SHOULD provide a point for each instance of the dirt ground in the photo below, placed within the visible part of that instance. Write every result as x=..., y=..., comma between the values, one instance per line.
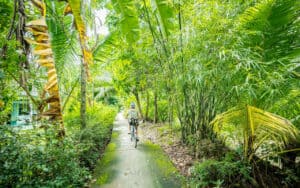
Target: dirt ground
x=170, y=142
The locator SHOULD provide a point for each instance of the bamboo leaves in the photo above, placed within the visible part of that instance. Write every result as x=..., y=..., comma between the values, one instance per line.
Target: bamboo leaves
x=257, y=16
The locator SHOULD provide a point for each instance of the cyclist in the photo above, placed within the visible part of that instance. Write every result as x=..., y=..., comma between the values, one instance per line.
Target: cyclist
x=132, y=116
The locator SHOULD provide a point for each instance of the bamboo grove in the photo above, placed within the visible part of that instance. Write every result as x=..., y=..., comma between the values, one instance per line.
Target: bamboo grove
x=193, y=61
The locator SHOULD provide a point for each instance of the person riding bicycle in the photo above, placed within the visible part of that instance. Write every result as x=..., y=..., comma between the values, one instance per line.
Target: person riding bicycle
x=133, y=117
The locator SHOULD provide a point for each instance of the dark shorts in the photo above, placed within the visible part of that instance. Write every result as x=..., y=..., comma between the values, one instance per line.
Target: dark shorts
x=134, y=122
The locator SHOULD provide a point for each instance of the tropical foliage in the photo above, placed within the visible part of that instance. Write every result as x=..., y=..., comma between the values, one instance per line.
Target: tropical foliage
x=257, y=128
x=226, y=71
x=37, y=158
x=50, y=95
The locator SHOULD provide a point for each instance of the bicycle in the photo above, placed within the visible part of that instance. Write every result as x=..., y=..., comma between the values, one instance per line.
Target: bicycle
x=133, y=127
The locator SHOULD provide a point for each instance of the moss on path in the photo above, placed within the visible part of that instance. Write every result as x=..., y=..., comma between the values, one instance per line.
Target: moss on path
x=124, y=166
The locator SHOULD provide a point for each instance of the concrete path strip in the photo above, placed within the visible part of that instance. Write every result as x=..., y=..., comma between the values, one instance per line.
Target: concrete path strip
x=124, y=166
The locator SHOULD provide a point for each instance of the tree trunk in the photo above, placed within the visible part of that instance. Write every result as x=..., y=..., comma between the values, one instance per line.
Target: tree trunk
x=83, y=97
x=136, y=94
x=147, y=107
x=155, y=108
x=20, y=33
x=70, y=94
x=170, y=110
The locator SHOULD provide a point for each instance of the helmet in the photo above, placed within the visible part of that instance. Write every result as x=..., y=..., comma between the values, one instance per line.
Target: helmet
x=132, y=105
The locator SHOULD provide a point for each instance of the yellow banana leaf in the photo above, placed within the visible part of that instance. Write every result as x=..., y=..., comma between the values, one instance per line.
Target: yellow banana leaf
x=74, y=6
x=67, y=10
x=35, y=23
x=44, y=53
x=39, y=4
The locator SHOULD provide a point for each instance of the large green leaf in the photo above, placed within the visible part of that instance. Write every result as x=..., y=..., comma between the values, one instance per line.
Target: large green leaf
x=104, y=48
x=165, y=12
x=128, y=19
x=61, y=35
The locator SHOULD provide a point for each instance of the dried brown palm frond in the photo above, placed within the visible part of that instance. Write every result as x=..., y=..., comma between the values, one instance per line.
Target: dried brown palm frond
x=43, y=52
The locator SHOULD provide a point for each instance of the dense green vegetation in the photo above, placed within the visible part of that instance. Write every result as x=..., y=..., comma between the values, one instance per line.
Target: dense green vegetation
x=37, y=158
x=227, y=72
x=190, y=61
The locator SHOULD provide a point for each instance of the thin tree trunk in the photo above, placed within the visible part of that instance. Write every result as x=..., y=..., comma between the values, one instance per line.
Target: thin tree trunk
x=69, y=95
x=24, y=88
x=20, y=32
x=185, y=116
x=155, y=39
x=163, y=39
x=169, y=110
x=181, y=36
x=147, y=107
x=155, y=108
x=83, y=97
x=136, y=94
x=19, y=29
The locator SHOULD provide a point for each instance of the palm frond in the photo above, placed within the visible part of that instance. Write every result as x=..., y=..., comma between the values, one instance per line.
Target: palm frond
x=259, y=127
x=105, y=46
x=276, y=26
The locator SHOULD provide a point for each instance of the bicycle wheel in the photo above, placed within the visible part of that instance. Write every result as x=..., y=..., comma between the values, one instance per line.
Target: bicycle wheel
x=135, y=137
x=132, y=133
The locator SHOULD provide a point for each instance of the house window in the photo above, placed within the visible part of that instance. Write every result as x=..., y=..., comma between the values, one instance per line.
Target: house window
x=24, y=108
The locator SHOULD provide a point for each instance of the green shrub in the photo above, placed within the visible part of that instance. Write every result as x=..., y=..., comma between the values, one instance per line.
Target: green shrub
x=229, y=172
x=96, y=114
x=99, y=113
x=162, y=106
x=92, y=140
x=163, y=110
x=36, y=158
x=51, y=163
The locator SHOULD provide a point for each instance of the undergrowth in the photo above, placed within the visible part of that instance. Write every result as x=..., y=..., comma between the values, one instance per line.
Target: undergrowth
x=37, y=158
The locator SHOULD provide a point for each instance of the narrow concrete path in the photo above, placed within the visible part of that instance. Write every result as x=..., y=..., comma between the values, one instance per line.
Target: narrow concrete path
x=124, y=166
